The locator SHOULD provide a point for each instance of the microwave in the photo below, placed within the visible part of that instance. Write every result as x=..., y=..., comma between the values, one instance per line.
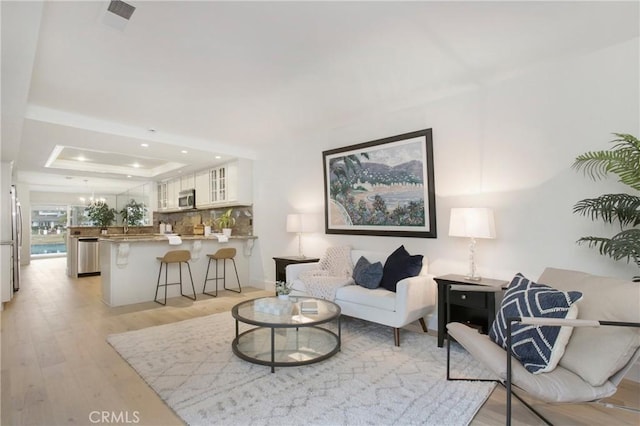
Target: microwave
x=187, y=199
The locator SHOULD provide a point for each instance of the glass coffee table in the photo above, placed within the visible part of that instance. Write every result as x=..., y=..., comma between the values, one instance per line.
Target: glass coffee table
x=287, y=333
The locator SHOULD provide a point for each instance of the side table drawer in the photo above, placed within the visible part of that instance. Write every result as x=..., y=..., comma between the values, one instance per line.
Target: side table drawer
x=469, y=299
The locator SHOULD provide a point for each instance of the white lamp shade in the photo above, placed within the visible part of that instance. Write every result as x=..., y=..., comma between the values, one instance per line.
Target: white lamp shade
x=472, y=222
x=300, y=223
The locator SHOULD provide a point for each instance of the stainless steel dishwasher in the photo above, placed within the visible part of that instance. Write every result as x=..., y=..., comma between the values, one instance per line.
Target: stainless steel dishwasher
x=88, y=256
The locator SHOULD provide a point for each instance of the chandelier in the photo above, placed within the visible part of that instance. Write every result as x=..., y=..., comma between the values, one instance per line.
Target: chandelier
x=93, y=201
x=97, y=202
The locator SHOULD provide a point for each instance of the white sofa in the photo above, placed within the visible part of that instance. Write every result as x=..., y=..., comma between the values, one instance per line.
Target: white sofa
x=414, y=299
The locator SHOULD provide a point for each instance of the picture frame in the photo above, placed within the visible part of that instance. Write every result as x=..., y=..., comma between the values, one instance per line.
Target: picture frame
x=383, y=187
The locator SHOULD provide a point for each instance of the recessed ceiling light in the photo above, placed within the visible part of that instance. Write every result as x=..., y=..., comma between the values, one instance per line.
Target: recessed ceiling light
x=136, y=165
x=152, y=130
x=218, y=157
x=81, y=158
x=184, y=151
x=144, y=145
x=128, y=176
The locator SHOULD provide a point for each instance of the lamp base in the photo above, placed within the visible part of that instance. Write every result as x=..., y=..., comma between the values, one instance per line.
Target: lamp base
x=473, y=278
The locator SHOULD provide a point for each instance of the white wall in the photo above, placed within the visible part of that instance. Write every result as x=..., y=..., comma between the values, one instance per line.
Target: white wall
x=508, y=145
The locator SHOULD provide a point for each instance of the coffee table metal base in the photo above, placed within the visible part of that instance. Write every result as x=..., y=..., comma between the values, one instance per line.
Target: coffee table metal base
x=286, y=347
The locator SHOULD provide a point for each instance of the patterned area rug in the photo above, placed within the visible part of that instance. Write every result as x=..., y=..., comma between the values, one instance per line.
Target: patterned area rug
x=370, y=381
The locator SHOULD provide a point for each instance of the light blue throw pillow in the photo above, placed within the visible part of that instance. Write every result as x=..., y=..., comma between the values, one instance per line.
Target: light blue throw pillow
x=538, y=348
x=367, y=274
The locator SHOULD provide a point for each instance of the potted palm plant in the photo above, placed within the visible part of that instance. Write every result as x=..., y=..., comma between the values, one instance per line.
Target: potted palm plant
x=226, y=222
x=622, y=160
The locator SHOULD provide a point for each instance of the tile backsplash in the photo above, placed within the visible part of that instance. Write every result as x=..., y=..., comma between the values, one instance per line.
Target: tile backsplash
x=184, y=221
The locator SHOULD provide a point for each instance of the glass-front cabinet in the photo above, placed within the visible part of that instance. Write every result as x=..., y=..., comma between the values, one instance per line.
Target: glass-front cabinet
x=218, y=185
x=162, y=195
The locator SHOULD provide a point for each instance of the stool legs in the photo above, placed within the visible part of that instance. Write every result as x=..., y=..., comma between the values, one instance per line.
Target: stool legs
x=218, y=277
x=224, y=283
x=206, y=278
x=192, y=286
x=167, y=283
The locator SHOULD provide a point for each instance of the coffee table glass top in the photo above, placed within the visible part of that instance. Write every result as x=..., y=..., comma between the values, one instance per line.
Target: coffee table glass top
x=276, y=313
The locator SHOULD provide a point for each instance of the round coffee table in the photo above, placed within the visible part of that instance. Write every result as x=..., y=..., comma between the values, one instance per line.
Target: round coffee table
x=287, y=333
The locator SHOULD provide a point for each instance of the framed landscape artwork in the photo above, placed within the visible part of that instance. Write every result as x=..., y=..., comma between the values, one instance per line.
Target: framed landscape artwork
x=383, y=187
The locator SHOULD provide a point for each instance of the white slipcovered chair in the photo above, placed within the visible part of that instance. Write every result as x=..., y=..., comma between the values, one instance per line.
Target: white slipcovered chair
x=603, y=346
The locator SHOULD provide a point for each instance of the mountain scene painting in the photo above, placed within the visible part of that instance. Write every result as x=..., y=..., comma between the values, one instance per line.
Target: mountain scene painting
x=378, y=187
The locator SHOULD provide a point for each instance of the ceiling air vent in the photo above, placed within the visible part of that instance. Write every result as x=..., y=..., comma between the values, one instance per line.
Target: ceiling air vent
x=121, y=9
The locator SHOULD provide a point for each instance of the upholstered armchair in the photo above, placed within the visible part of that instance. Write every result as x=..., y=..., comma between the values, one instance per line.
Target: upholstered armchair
x=604, y=341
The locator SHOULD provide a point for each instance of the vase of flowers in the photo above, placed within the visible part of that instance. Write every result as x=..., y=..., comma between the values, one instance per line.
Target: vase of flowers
x=283, y=289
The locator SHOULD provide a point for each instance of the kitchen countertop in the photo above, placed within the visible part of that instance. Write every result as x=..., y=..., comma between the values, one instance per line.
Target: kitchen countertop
x=159, y=237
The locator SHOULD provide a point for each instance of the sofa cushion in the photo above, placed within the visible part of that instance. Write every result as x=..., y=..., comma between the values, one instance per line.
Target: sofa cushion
x=596, y=354
x=398, y=266
x=378, y=298
x=538, y=348
x=367, y=274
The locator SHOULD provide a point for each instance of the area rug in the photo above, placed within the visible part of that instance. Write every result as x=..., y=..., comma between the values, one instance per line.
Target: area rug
x=191, y=366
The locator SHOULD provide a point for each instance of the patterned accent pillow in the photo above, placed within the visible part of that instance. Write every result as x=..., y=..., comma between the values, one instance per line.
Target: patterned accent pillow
x=367, y=274
x=538, y=348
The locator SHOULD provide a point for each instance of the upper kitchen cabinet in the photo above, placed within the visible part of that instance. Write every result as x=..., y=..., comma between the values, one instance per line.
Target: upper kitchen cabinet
x=223, y=185
x=168, y=194
x=218, y=184
x=187, y=182
x=240, y=182
x=173, y=190
x=203, y=196
x=162, y=195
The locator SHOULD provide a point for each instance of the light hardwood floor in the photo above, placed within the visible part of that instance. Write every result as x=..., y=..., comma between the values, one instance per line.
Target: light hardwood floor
x=57, y=367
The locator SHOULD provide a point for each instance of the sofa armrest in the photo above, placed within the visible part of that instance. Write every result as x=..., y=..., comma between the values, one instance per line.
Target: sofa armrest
x=293, y=271
x=415, y=293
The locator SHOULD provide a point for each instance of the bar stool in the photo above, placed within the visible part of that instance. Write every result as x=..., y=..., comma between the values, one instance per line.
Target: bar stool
x=222, y=254
x=179, y=257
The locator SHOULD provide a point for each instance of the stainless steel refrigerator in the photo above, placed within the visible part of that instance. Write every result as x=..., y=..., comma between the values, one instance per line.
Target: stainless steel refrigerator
x=16, y=236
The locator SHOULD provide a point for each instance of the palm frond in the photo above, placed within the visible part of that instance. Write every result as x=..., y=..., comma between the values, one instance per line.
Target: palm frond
x=623, y=160
x=624, y=208
x=623, y=245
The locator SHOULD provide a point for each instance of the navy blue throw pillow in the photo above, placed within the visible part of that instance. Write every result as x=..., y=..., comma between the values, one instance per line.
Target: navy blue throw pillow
x=360, y=265
x=367, y=274
x=538, y=348
x=398, y=266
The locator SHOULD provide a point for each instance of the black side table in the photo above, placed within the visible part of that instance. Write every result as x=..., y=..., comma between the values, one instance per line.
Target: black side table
x=475, y=309
x=282, y=262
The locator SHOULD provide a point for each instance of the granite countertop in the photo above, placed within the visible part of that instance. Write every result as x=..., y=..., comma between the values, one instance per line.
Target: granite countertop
x=159, y=237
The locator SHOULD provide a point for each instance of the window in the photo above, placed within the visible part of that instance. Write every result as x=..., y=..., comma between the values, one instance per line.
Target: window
x=49, y=230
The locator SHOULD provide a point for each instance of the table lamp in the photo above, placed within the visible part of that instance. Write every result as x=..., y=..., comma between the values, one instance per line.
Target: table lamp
x=300, y=223
x=472, y=223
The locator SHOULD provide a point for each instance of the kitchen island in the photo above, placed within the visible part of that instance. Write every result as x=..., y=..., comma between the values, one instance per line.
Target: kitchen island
x=129, y=265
